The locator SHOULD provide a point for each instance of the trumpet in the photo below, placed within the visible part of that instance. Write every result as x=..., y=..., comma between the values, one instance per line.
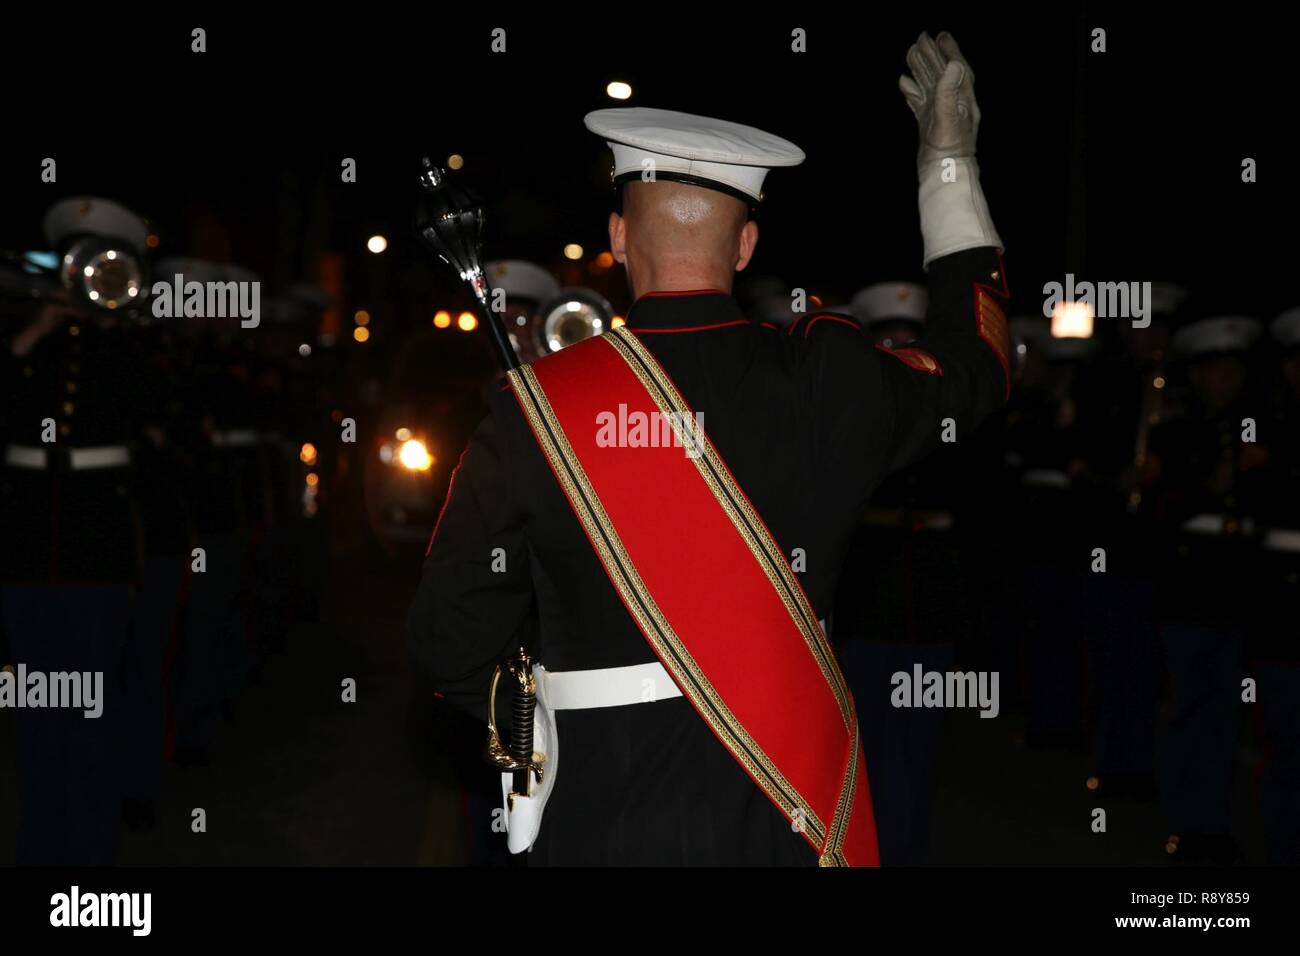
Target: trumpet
x=95, y=271
x=573, y=315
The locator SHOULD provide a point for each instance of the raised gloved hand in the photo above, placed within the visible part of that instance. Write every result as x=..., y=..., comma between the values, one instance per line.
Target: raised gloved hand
x=941, y=94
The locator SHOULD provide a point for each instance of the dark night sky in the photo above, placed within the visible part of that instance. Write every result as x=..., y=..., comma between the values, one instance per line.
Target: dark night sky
x=1169, y=111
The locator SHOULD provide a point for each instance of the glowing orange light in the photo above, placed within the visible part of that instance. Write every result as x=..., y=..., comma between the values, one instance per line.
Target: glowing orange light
x=442, y=319
x=415, y=456
x=308, y=454
x=466, y=322
x=1072, y=320
x=362, y=317
x=361, y=333
x=313, y=479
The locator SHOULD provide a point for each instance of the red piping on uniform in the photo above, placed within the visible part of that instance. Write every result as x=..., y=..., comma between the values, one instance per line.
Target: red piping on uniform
x=1005, y=293
x=692, y=328
x=451, y=484
x=833, y=318
x=646, y=295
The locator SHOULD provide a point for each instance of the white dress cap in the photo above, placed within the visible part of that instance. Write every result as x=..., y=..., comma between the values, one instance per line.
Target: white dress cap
x=1167, y=298
x=694, y=149
x=87, y=216
x=1285, y=329
x=201, y=270
x=521, y=279
x=1228, y=333
x=190, y=270
x=891, y=301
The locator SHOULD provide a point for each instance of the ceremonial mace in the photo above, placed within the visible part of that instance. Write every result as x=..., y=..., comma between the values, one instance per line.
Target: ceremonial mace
x=449, y=219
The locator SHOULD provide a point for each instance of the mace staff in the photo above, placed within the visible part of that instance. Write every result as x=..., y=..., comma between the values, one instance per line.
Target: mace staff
x=449, y=219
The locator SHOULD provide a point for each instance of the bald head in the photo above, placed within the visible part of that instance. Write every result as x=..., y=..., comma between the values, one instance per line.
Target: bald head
x=674, y=237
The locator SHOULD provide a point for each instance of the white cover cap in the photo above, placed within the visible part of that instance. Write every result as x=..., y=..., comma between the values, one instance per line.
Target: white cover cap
x=708, y=152
x=87, y=216
x=1228, y=333
x=891, y=301
x=519, y=278
x=1285, y=329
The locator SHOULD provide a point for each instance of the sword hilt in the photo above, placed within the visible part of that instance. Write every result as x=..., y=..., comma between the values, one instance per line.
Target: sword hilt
x=518, y=756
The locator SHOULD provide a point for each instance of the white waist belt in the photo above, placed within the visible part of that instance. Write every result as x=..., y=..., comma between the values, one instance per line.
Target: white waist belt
x=608, y=686
x=1045, y=478
x=1216, y=524
x=574, y=690
x=236, y=438
x=79, y=459
x=1282, y=539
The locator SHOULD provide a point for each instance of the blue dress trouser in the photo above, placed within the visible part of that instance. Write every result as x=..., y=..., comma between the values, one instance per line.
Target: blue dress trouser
x=68, y=764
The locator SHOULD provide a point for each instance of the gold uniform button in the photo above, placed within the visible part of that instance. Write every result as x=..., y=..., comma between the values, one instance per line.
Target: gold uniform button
x=995, y=275
x=68, y=408
x=74, y=330
x=71, y=387
x=65, y=429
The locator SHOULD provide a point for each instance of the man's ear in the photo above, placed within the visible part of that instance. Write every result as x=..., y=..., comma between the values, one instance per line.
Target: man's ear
x=618, y=237
x=748, y=240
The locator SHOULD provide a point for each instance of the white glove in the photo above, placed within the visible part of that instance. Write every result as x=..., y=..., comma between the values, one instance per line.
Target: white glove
x=941, y=94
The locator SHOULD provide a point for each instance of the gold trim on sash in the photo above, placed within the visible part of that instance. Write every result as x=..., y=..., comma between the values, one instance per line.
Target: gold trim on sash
x=844, y=806
x=733, y=501
x=632, y=589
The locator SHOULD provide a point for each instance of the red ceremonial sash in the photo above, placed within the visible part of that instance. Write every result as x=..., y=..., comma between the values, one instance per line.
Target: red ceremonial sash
x=706, y=584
